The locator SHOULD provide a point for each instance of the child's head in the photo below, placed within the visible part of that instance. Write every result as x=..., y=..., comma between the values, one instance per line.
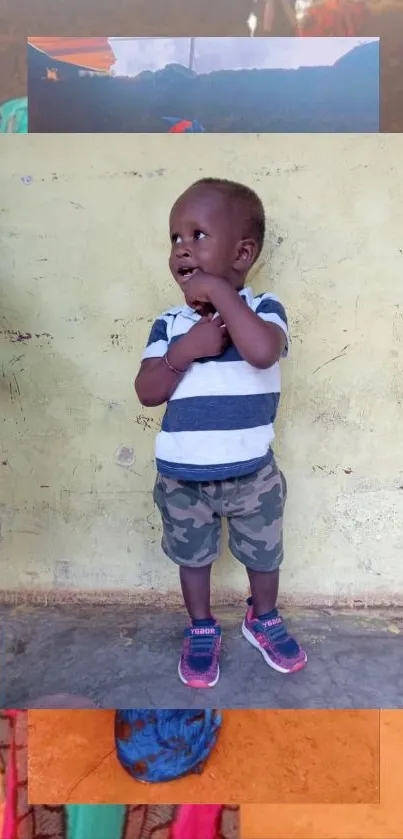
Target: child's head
x=218, y=227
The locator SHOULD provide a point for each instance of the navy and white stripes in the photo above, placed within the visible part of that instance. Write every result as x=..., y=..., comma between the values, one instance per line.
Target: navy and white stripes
x=219, y=421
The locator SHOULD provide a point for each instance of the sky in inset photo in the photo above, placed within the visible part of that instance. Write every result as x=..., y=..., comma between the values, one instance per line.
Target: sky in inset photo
x=134, y=55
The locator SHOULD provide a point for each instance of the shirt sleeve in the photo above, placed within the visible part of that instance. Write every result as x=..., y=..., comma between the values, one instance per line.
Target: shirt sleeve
x=157, y=344
x=271, y=310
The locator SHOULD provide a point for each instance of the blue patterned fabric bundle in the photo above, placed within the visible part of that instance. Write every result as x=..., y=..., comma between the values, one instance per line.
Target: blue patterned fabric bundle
x=161, y=745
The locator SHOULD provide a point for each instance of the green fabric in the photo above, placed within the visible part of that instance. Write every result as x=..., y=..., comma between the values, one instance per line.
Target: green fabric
x=14, y=116
x=95, y=821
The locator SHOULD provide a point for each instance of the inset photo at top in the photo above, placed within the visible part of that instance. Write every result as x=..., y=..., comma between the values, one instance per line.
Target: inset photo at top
x=195, y=85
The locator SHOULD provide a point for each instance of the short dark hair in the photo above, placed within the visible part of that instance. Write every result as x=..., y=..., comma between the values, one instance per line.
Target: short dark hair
x=251, y=206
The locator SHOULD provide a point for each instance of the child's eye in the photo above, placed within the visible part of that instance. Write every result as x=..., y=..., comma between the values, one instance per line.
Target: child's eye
x=175, y=237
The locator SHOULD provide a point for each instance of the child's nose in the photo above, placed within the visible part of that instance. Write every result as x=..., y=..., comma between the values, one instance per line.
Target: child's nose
x=183, y=249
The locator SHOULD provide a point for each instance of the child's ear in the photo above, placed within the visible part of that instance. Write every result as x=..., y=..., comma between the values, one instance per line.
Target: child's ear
x=246, y=255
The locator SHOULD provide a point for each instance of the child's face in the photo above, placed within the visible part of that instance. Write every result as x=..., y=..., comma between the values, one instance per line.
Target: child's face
x=203, y=236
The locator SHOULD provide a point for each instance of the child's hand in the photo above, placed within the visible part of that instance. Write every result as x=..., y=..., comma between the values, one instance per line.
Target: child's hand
x=197, y=289
x=207, y=338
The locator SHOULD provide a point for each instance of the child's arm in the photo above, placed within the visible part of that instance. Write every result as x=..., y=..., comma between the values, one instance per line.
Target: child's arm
x=164, y=365
x=259, y=342
x=156, y=381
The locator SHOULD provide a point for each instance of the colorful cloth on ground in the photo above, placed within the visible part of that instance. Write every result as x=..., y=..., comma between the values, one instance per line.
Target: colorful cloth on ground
x=161, y=745
x=95, y=820
x=197, y=822
x=146, y=822
x=337, y=18
x=13, y=767
x=24, y=821
x=14, y=116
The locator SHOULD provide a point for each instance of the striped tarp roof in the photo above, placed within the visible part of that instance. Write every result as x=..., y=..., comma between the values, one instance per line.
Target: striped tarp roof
x=94, y=53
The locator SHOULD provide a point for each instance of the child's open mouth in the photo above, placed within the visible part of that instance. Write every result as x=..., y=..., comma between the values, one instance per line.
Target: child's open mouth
x=186, y=272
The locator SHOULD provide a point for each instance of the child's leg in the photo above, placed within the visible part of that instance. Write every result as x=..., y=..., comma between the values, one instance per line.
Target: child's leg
x=256, y=539
x=195, y=584
x=191, y=538
x=264, y=590
x=199, y=663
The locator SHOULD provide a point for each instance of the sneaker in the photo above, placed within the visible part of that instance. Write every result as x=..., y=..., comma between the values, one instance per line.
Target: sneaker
x=199, y=663
x=269, y=635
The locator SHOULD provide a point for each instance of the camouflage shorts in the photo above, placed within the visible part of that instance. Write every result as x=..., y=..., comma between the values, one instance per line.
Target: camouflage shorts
x=192, y=511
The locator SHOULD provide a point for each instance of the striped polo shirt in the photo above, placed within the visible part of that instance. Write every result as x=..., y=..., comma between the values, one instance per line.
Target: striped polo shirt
x=218, y=423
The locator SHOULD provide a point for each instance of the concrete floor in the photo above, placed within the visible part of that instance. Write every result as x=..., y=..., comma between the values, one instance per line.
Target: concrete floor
x=123, y=656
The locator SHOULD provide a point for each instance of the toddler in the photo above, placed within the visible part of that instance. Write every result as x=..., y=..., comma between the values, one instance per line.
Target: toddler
x=215, y=363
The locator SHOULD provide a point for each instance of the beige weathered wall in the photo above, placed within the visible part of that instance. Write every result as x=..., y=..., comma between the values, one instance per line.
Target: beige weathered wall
x=83, y=259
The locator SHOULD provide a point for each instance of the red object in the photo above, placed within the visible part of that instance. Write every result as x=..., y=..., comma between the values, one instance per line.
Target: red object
x=10, y=823
x=197, y=821
x=337, y=18
x=180, y=127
